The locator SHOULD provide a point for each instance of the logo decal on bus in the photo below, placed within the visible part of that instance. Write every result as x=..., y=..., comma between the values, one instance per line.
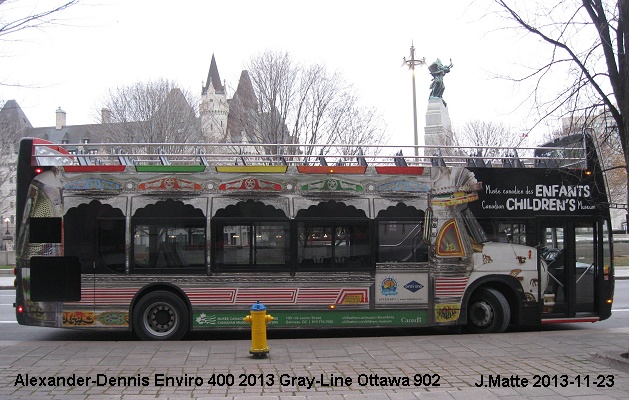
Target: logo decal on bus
x=413, y=286
x=204, y=319
x=447, y=312
x=389, y=287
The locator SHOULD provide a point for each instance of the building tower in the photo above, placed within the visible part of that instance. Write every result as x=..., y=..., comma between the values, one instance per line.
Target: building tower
x=214, y=108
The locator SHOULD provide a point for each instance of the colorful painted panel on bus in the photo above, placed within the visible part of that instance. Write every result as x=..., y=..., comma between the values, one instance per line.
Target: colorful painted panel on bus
x=326, y=318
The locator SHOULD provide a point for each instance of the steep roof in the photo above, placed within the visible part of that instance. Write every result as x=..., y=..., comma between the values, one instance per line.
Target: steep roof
x=243, y=111
x=13, y=122
x=245, y=91
x=72, y=134
x=213, y=78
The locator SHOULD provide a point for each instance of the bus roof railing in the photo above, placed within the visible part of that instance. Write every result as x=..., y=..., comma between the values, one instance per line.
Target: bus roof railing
x=209, y=154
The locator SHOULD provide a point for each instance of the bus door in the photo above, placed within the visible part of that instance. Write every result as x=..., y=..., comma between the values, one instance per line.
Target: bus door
x=571, y=250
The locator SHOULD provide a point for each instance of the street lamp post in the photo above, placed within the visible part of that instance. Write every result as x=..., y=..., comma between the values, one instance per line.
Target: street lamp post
x=7, y=235
x=411, y=63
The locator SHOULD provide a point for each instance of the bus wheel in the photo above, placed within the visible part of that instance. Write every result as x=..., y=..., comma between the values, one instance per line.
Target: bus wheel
x=488, y=312
x=160, y=315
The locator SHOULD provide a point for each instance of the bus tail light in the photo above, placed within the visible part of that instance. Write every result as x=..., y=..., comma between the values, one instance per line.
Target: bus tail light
x=38, y=170
x=20, y=309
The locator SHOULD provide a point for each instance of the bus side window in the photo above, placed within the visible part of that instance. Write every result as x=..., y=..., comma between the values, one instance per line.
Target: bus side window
x=401, y=241
x=252, y=246
x=169, y=245
x=344, y=246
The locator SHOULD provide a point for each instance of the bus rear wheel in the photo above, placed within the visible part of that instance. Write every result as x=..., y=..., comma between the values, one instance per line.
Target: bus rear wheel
x=488, y=312
x=160, y=315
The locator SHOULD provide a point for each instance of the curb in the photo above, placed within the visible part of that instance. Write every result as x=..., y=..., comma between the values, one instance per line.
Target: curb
x=614, y=360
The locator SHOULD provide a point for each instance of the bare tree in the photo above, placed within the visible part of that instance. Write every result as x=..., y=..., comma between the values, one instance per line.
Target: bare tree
x=588, y=46
x=487, y=135
x=273, y=76
x=7, y=181
x=34, y=18
x=308, y=105
x=150, y=112
x=14, y=19
x=13, y=125
x=616, y=173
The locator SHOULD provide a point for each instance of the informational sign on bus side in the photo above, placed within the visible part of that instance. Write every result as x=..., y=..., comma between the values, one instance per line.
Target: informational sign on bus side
x=533, y=192
x=325, y=318
x=394, y=287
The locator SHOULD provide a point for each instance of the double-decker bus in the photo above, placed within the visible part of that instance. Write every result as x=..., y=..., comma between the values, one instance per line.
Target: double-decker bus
x=171, y=238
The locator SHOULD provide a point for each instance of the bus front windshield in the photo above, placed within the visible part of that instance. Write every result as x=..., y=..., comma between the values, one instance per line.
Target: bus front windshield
x=474, y=229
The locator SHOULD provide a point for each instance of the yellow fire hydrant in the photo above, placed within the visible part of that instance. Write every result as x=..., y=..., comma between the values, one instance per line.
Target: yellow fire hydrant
x=258, y=320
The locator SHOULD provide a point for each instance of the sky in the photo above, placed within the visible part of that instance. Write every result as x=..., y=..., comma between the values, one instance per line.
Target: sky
x=104, y=44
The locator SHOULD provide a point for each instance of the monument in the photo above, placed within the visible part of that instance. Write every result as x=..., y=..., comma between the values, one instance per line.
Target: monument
x=438, y=130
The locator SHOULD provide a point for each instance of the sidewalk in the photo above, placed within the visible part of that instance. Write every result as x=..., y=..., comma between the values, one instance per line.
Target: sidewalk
x=554, y=364
x=622, y=272
x=6, y=279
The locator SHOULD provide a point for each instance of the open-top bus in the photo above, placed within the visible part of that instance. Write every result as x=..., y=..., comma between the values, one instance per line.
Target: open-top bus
x=166, y=239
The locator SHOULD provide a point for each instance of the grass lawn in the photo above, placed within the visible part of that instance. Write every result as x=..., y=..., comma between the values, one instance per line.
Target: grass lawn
x=621, y=261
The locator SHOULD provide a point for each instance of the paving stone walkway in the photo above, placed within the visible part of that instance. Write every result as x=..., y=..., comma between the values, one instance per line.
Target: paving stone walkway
x=558, y=364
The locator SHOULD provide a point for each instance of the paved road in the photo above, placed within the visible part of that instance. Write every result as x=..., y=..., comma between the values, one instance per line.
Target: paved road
x=558, y=364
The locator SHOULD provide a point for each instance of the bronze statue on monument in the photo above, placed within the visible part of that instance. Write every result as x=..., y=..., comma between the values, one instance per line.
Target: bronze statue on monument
x=438, y=71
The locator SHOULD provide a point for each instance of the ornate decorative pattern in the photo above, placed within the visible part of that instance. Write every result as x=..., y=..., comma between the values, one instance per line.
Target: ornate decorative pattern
x=78, y=318
x=168, y=184
x=250, y=184
x=231, y=296
x=113, y=318
x=448, y=312
x=332, y=185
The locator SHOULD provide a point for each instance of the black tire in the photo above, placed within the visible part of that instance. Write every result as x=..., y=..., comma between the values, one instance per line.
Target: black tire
x=160, y=315
x=488, y=312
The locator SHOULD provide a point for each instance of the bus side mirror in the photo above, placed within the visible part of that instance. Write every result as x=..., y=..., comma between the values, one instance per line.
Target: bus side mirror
x=427, y=225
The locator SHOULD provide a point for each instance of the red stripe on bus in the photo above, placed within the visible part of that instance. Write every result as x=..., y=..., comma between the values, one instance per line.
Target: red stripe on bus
x=450, y=287
x=569, y=320
x=94, y=168
x=389, y=170
x=332, y=169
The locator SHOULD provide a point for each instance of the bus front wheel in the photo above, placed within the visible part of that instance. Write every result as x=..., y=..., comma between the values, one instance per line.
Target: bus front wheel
x=160, y=315
x=488, y=312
